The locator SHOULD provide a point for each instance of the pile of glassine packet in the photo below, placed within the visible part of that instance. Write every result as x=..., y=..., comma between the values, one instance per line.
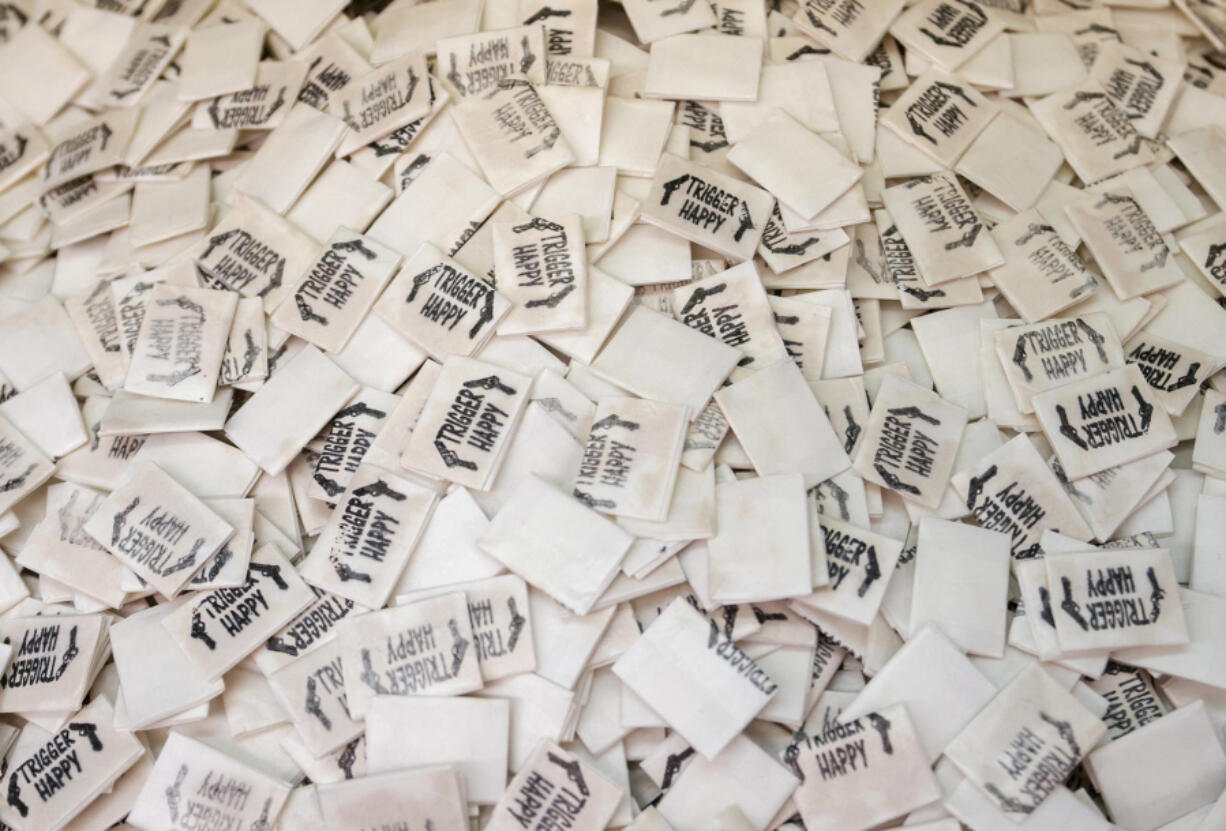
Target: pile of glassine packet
x=706, y=415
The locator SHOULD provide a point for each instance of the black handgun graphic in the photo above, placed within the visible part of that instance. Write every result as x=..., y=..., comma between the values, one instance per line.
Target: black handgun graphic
x=186, y=304
x=346, y=573
x=922, y=295
x=410, y=171
x=1187, y=379
x=612, y=420
x=459, y=646
x=1081, y=96
x=795, y=249
x=200, y=632
x=672, y=766
x=422, y=279
x=817, y=23
x=1156, y=594
x=1116, y=199
x=1095, y=338
x=536, y=224
x=119, y=520
x=276, y=105
x=1045, y=613
x=1007, y=804
x=14, y=795
x=89, y=732
x=1069, y=488
x=893, y=482
x=967, y=240
x=1029, y=552
x=1067, y=430
x=106, y=133
x=979, y=16
x=368, y=676
x=516, y=627
x=853, y=429
x=453, y=75
x=552, y=301
x=1065, y=729
x=763, y=616
x=975, y=486
x=1219, y=424
x=808, y=50
x=700, y=294
x=1147, y=68
x=1144, y=409
x=330, y=486
x=251, y=352
x=745, y=222
x=1032, y=231
x=592, y=502
x=681, y=8
x=882, y=725
x=486, y=315
x=22, y=141
x=357, y=246
x=451, y=458
x=729, y=615
x=273, y=572
x=1019, y=358
x=379, y=488
x=913, y=412
x=1070, y=606
x=359, y=408
x=172, y=794
x=314, y=704
x=277, y=644
x=69, y=654
x=917, y=126
x=525, y=63
x=490, y=382
x=1132, y=149
x=671, y=185
x=347, y=757
x=66, y=515
x=1215, y=251
x=861, y=259
x=261, y=823
x=215, y=566
x=308, y=314
x=872, y=571
x=573, y=772
x=546, y=143
x=553, y=405
x=545, y=12
x=1093, y=28
x=173, y=379
x=791, y=754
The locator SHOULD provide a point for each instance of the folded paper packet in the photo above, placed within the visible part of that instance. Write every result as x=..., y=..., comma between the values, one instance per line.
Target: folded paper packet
x=702, y=415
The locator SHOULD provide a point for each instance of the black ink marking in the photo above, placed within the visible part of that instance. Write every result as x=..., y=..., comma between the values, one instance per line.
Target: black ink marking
x=1070, y=606
x=200, y=632
x=1067, y=430
x=573, y=771
x=975, y=486
x=314, y=704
